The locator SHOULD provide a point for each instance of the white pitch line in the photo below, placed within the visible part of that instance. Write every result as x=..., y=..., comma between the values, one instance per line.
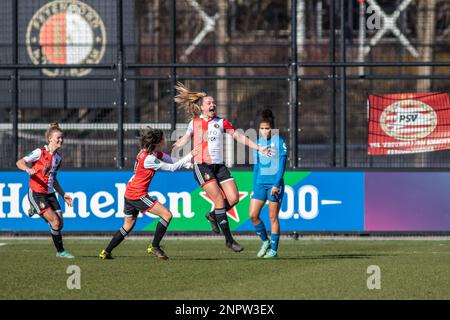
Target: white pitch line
x=3, y=244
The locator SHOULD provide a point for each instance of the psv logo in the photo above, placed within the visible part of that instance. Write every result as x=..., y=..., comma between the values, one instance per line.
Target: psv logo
x=66, y=32
x=408, y=120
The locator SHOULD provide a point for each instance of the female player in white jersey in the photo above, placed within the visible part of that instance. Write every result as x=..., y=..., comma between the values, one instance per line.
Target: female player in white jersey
x=41, y=165
x=149, y=160
x=207, y=130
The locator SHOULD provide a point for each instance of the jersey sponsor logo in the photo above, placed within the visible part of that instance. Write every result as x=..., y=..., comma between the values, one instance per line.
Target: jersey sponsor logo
x=66, y=32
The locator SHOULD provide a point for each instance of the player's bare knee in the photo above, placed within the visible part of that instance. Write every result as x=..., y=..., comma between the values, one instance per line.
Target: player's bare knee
x=169, y=216
x=55, y=224
x=273, y=219
x=233, y=200
x=129, y=223
x=60, y=221
x=218, y=201
x=254, y=218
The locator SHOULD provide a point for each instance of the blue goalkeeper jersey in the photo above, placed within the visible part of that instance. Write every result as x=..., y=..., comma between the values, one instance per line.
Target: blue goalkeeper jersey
x=270, y=170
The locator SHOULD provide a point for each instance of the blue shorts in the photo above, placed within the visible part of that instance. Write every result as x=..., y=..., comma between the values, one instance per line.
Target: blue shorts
x=262, y=192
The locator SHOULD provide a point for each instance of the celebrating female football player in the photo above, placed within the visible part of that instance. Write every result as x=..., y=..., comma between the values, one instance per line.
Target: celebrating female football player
x=41, y=165
x=210, y=172
x=149, y=160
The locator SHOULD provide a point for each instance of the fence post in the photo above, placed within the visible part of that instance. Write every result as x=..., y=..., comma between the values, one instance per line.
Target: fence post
x=293, y=150
x=173, y=59
x=15, y=85
x=120, y=86
x=332, y=77
x=343, y=88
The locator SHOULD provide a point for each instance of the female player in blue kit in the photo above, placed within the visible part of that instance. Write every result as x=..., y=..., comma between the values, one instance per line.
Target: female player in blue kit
x=268, y=184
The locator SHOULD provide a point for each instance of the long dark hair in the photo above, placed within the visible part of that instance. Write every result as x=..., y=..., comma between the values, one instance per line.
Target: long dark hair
x=268, y=117
x=150, y=138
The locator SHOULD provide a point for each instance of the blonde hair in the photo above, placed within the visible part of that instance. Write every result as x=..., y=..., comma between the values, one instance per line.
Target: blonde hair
x=190, y=101
x=54, y=126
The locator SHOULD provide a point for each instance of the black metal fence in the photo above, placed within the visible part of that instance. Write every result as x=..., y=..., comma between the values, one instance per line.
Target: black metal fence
x=105, y=68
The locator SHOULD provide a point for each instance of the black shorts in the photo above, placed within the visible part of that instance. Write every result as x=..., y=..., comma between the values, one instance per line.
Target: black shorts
x=42, y=202
x=132, y=207
x=205, y=173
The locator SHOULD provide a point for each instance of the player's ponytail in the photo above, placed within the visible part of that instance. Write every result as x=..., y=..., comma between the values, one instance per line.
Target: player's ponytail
x=189, y=100
x=150, y=138
x=54, y=126
x=268, y=117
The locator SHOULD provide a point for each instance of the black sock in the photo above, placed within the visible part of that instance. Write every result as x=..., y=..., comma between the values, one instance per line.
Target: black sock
x=57, y=240
x=161, y=228
x=117, y=239
x=222, y=221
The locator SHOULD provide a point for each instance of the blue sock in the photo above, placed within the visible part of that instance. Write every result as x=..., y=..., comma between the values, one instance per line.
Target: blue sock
x=261, y=231
x=275, y=239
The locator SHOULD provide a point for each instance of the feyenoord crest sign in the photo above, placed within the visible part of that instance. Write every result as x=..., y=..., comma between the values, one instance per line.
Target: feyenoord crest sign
x=66, y=32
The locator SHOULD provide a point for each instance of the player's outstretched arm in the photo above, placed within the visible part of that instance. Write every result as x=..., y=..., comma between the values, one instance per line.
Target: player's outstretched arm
x=239, y=137
x=169, y=159
x=152, y=162
x=182, y=141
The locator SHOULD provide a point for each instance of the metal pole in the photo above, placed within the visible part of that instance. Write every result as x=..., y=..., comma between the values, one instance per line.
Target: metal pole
x=65, y=103
x=343, y=88
x=15, y=84
x=333, y=86
x=173, y=59
x=293, y=94
x=120, y=87
x=362, y=35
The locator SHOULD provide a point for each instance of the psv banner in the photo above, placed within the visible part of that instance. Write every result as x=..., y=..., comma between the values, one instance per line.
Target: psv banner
x=408, y=123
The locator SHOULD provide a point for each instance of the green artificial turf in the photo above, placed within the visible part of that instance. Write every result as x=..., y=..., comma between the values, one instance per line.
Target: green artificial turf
x=206, y=269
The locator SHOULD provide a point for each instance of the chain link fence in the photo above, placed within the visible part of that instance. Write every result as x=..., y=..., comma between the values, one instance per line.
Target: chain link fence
x=106, y=68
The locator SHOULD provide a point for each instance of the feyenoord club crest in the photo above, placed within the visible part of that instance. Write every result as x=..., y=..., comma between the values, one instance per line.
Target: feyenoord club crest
x=66, y=32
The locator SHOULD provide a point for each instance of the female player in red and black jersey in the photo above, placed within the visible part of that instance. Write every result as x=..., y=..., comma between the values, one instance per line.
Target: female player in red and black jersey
x=149, y=160
x=207, y=130
x=41, y=165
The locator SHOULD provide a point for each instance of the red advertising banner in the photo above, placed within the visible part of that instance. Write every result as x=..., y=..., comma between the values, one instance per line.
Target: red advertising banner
x=408, y=123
